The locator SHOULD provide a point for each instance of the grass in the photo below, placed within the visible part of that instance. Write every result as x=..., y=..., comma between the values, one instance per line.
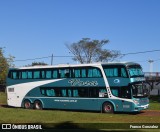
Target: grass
x=154, y=103
x=20, y=115
x=3, y=98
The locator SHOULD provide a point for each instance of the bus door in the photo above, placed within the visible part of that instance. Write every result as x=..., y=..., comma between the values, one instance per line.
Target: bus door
x=126, y=96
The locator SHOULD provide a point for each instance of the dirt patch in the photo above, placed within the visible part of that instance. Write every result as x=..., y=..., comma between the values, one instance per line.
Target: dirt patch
x=150, y=113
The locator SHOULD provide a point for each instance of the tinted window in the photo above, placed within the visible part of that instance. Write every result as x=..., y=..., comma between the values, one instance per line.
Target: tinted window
x=30, y=74
x=55, y=74
x=82, y=72
x=111, y=72
x=115, y=71
x=36, y=74
x=24, y=75
x=75, y=92
x=90, y=72
x=122, y=92
x=48, y=74
x=13, y=75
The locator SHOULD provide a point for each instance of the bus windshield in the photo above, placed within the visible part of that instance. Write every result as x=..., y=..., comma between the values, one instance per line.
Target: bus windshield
x=135, y=71
x=139, y=90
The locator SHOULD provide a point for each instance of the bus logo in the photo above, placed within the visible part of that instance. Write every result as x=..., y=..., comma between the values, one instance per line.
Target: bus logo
x=116, y=81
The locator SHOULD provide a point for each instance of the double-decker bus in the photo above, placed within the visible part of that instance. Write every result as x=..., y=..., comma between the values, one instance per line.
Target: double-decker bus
x=106, y=87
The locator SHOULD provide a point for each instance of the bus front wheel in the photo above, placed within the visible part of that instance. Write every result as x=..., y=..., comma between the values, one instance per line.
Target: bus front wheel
x=108, y=107
x=38, y=105
x=28, y=104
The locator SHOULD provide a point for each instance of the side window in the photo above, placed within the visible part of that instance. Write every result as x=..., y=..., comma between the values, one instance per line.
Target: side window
x=115, y=91
x=94, y=72
x=111, y=72
x=80, y=92
x=123, y=72
x=43, y=92
x=84, y=73
x=63, y=92
x=29, y=74
x=83, y=92
x=43, y=74
x=67, y=73
x=69, y=93
x=77, y=73
x=94, y=92
x=103, y=93
x=20, y=75
x=75, y=93
x=90, y=73
x=36, y=74
x=50, y=92
x=48, y=74
x=13, y=74
x=24, y=75
x=62, y=73
x=55, y=73
x=80, y=72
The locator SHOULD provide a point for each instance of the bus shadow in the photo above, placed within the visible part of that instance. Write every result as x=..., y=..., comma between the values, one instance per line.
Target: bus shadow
x=91, y=111
x=6, y=106
x=130, y=113
x=69, y=126
x=88, y=111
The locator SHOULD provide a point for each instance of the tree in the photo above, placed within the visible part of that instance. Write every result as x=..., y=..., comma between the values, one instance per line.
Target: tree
x=3, y=67
x=88, y=51
x=10, y=61
x=37, y=64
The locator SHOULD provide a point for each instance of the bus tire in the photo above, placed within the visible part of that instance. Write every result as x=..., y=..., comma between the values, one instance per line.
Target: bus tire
x=28, y=104
x=107, y=108
x=38, y=105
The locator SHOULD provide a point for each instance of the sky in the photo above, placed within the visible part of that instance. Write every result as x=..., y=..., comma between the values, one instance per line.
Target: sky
x=39, y=28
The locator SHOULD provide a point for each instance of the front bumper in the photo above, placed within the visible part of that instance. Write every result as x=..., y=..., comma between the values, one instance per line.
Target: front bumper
x=142, y=107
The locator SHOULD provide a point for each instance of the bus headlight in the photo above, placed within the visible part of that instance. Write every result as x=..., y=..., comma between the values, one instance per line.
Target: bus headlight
x=136, y=102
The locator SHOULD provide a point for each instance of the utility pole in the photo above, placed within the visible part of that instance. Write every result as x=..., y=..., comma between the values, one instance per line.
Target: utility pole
x=52, y=59
x=150, y=66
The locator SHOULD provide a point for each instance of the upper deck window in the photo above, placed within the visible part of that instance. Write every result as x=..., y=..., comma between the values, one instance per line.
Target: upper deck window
x=85, y=72
x=115, y=71
x=111, y=72
x=135, y=71
x=54, y=73
x=13, y=74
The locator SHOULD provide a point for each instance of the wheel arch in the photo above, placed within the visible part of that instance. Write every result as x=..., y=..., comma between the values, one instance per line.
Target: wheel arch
x=40, y=101
x=111, y=102
x=26, y=99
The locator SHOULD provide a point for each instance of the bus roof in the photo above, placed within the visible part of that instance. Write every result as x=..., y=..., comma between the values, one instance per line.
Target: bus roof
x=76, y=65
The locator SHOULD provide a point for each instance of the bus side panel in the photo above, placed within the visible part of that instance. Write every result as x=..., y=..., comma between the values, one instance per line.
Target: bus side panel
x=69, y=103
x=117, y=104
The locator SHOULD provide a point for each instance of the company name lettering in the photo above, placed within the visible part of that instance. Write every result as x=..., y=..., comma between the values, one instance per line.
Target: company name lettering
x=78, y=82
